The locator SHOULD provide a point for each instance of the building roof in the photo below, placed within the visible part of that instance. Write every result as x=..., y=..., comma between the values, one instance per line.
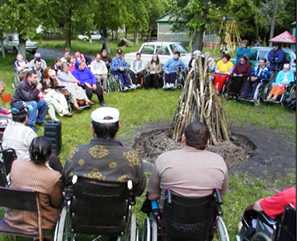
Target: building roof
x=285, y=37
x=168, y=18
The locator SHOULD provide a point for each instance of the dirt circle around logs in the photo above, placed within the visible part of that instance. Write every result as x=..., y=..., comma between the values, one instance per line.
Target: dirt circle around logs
x=259, y=152
x=152, y=143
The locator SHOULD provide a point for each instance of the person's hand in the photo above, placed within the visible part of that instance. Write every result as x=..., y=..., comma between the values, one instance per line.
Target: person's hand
x=152, y=72
x=121, y=68
x=94, y=87
x=234, y=74
x=253, y=78
x=88, y=85
x=40, y=95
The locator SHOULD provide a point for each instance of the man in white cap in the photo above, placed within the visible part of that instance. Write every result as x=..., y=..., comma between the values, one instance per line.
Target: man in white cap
x=104, y=158
x=38, y=58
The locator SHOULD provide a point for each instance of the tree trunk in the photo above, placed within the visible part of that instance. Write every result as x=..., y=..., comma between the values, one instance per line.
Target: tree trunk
x=197, y=42
x=117, y=34
x=135, y=36
x=273, y=20
x=2, y=48
x=104, y=39
x=126, y=32
x=22, y=46
x=68, y=29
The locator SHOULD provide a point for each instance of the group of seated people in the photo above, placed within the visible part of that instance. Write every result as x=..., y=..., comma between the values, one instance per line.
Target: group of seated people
x=105, y=159
x=242, y=80
x=67, y=85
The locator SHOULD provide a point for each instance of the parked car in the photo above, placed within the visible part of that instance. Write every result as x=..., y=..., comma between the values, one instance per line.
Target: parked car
x=164, y=50
x=11, y=43
x=262, y=52
x=93, y=36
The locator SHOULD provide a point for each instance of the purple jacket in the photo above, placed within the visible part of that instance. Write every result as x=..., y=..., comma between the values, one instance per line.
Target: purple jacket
x=84, y=76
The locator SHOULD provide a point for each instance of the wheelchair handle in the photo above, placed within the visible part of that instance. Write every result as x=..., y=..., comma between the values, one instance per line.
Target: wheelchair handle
x=218, y=196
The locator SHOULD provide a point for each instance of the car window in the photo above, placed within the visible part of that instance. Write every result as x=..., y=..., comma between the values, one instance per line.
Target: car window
x=162, y=50
x=147, y=49
x=177, y=47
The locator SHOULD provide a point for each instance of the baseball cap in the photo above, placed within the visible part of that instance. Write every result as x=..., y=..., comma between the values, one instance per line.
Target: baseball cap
x=19, y=108
x=105, y=115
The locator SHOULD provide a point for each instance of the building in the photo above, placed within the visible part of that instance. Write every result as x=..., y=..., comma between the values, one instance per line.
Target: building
x=165, y=30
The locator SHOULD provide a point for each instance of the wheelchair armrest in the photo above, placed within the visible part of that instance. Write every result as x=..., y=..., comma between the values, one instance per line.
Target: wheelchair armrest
x=218, y=196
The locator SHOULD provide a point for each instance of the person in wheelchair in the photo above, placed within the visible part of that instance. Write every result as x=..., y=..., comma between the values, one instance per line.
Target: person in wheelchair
x=119, y=68
x=259, y=77
x=172, y=69
x=99, y=69
x=153, y=76
x=265, y=214
x=279, y=86
x=105, y=158
x=192, y=173
x=240, y=73
x=36, y=175
x=137, y=70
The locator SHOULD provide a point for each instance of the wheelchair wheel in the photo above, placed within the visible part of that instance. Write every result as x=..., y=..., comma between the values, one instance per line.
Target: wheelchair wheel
x=150, y=230
x=63, y=230
x=221, y=229
x=133, y=232
x=260, y=237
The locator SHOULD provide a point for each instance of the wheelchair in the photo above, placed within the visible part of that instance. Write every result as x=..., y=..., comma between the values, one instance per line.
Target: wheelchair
x=233, y=87
x=97, y=210
x=115, y=84
x=187, y=219
x=219, y=81
x=290, y=97
x=280, y=98
x=179, y=81
x=256, y=226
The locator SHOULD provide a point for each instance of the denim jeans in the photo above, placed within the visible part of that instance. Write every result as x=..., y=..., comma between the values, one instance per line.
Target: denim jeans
x=37, y=111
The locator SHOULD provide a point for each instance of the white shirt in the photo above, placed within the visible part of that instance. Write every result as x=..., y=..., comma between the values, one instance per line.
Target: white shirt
x=99, y=68
x=19, y=137
x=137, y=66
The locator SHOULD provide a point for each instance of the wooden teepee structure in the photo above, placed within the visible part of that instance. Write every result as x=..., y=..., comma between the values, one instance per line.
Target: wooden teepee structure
x=199, y=101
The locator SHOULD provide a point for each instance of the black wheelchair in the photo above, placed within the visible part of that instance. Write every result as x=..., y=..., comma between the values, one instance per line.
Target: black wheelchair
x=179, y=80
x=7, y=156
x=290, y=97
x=256, y=226
x=186, y=218
x=97, y=209
x=115, y=84
x=280, y=98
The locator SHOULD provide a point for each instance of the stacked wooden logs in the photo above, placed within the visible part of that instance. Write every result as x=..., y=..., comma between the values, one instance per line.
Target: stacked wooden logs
x=199, y=101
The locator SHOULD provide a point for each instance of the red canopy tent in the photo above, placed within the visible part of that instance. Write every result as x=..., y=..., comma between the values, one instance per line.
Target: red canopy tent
x=285, y=37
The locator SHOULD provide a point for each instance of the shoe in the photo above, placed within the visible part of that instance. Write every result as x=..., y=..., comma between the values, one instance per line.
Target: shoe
x=133, y=86
x=102, y=104
x=125, y=88
x=69, y=114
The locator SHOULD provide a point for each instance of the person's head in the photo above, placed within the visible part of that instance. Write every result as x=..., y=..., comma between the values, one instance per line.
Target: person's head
x=19, y=112
x=155, y=59
x=77, y=54
x=226, y=58
x=196, y=54
x=98, y=57
x=31, y=77
x=262, y=62
x=20, y=57
x=40, y=150
x=37, y=64
x=65, y=67
x=104, y=53
x=82, y=65
x=67, y=54
x=119, y=52
x=138, y=56
x=243, y=60
x=286, y=67
x=37, y=56
x=2, y=87
x=52, y=73
x=196, y=135
x=176, y=55
x=105, y=122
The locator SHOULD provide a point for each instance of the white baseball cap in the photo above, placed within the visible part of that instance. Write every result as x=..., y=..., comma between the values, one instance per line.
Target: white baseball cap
x=105, y=115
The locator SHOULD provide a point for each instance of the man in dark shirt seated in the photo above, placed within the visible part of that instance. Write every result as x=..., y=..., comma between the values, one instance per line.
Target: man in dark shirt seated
x=104, y=158
x=28, y=92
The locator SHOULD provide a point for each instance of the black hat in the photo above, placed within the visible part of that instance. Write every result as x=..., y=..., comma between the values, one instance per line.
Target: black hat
x=19, y=108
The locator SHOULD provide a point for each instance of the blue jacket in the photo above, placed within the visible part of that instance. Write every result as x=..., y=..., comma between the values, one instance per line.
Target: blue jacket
x=173, y=65
x=84, y=76
x=261, y=74
x=280, y=78
x=276, y=59
x=117, y=63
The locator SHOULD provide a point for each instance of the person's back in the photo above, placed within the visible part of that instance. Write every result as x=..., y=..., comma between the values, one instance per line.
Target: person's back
x=104, y=158
x=36, y=176
x=191, y=171
x=17, y=135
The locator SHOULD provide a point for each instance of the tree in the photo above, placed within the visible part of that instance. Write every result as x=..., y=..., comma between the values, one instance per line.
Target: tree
x=70, y=15
x=196, y=16
x=22, y=17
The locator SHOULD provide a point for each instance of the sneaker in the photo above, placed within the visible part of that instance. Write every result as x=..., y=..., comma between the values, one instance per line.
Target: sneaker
x=102, y=104
x=133, y=86
x=125, y=88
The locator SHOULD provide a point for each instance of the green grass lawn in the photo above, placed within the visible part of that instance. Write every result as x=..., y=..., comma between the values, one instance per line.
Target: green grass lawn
x=85, y=46
x=145, y=106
